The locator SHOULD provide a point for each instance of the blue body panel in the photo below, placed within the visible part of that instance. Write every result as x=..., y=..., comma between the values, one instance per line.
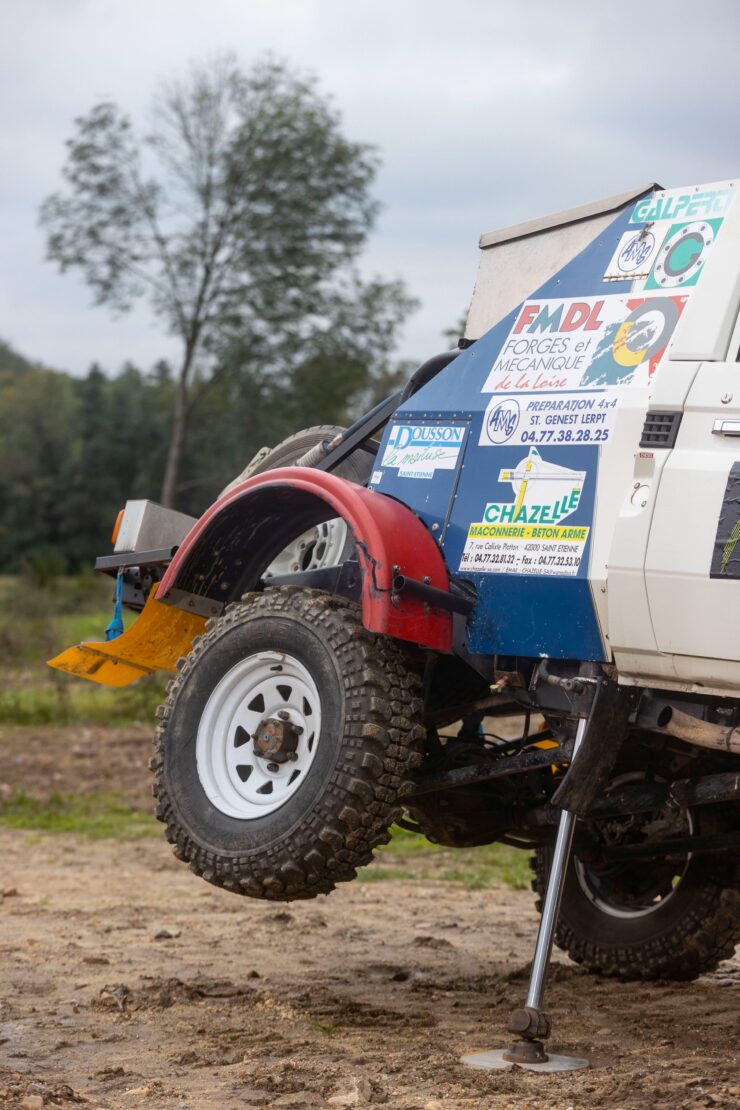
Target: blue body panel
x=522, y=614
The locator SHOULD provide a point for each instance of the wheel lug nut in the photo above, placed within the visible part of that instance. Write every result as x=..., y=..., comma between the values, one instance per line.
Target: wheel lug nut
x=273, y=767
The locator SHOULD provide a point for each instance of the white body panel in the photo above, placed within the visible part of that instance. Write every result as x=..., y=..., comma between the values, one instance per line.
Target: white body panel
x=670, y=622
x=694, y=614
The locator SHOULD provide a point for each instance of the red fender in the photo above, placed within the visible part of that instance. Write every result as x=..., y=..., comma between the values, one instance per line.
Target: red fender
x=390, y=540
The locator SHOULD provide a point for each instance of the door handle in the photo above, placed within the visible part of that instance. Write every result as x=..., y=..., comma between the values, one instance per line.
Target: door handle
x=726, y=428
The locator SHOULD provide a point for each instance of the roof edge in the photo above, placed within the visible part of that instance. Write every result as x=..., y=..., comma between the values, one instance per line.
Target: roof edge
x=567, y=216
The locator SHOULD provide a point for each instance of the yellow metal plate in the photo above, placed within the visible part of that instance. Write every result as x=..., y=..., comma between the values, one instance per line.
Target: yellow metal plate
x=154, y=642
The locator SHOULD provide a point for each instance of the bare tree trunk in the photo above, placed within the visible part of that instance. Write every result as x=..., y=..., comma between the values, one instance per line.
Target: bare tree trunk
x=177, y=433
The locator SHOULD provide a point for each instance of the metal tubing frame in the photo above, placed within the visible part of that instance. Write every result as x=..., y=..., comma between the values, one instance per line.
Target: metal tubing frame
x=553, y=897
x=529, y=760
x=362, y=429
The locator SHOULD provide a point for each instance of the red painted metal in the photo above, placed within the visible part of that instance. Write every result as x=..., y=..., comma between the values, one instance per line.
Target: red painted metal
x=388, y=535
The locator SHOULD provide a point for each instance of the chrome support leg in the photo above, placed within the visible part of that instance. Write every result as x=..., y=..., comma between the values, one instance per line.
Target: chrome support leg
x=530, y=1024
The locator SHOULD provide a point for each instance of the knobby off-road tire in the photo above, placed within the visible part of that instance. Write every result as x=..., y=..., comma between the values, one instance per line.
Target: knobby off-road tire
x=368, y=697
x=356, y=468
x=690, y=934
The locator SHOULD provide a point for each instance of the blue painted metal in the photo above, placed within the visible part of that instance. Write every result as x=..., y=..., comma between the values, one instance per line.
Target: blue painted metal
x=517, y=614
x=115, y=628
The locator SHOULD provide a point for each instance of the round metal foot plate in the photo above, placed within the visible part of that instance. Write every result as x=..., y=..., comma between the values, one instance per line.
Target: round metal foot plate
x=495, y=1060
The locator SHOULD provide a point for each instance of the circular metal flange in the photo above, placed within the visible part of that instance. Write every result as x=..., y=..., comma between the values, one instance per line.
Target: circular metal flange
x=496, y=1061
x=682, y=255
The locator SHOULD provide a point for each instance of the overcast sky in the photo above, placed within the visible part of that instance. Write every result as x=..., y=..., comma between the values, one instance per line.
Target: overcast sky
x=486, y=112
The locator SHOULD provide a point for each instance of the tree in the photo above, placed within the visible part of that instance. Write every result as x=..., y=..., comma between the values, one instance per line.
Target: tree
x=238, y=215
x=37, y=418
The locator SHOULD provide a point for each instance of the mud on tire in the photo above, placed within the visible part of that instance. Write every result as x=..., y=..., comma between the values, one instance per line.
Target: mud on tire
x=689, y=935
x=351, y=792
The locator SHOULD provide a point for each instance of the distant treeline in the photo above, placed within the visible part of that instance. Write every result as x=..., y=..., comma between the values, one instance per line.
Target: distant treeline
x=73, y=449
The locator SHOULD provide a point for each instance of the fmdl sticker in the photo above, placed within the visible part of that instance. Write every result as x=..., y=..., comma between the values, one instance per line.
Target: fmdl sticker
x=590, y=343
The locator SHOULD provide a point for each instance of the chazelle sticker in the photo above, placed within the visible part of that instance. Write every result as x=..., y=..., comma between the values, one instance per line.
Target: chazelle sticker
x=555, y=418
x=591, y=343
x=417, y=450
x=527, y=535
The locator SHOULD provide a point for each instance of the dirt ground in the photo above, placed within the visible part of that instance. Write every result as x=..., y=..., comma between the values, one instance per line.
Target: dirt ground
x=127, y=982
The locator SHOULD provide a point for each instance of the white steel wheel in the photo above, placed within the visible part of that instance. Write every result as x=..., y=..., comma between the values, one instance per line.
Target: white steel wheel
x=319, y=547
x=258, y=735
x=327, y=544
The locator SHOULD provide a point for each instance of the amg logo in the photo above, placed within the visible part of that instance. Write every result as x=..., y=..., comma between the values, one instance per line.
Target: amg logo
x=501, y=421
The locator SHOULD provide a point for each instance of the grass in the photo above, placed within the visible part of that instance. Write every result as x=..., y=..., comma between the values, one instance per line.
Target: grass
x=39, y=620
x=69, y=701
x=476, y=868
x=101, y=816
x=96, y=816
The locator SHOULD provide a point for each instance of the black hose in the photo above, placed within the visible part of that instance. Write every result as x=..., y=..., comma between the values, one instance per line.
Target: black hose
x=426, y=372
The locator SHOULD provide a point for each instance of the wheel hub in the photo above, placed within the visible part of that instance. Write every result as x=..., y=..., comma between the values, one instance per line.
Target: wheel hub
x=277, y=738
x=631, y=890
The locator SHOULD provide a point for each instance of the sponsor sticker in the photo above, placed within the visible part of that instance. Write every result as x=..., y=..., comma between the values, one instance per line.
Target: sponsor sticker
x=633, y=257
x=683, y=254
x=556, y=418
x=593, y=343
x=528, y=534
x=418, y=450
x=680, y=204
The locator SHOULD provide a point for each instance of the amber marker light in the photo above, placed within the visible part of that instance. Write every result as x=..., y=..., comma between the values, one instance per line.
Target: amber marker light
x=117, y=526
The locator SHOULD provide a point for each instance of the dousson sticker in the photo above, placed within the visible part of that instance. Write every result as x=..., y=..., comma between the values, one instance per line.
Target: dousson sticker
x=529, y=534
x=417, y=450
